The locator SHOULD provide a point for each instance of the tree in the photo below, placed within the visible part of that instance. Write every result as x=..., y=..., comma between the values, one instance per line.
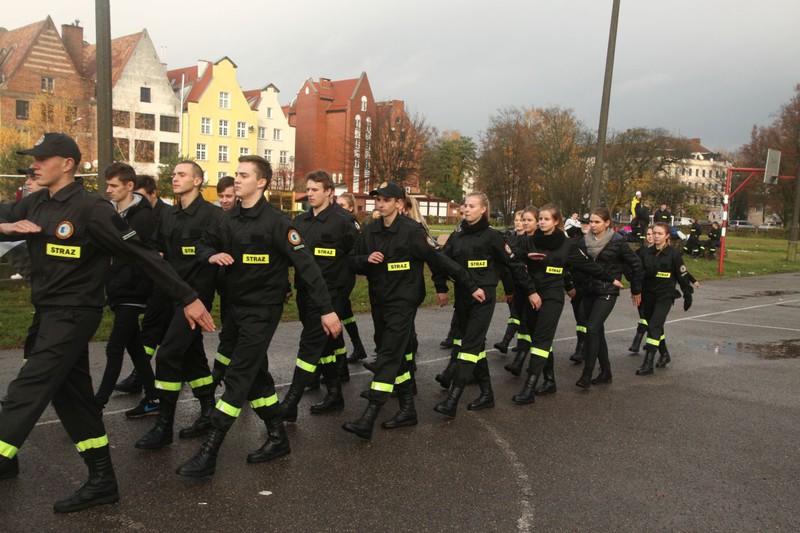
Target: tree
x=164, y=177
x=12, y=140
x=395, y=144
x=449, y=159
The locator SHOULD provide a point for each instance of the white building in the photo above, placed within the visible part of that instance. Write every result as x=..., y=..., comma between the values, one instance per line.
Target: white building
x=276, y=139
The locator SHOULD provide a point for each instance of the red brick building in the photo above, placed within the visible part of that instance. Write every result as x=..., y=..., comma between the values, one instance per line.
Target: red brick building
x=333, y=124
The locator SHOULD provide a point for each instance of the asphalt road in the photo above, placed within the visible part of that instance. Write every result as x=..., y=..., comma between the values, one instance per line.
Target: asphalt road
x=709, y=444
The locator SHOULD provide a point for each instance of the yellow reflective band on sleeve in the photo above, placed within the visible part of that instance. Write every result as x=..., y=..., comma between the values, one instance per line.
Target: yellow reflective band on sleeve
x=654, y=342
x=410, y=356
x=306, y=366
x=59, y=250
x=327, y=359
x=393, y=267
x=255, y=259
x=643, y=321
x=187, y=250
x=402, y=378
x=514, y=321
x=663, y=337
x=554, y=270
x=469, y=357
x=340, y=351
x=540, y=352
x=168, y=385
x=382, y=387
x=456, y=342
x=582, y=329
x=325, y=252
x=222, y=359
x=7, y=450
x=89, y=444
x=228, y=409
x=477, y=264
x=351, y=320
x=264, y=402
x=522, y=337
x=149, y=351
x=663, y=274
x=201, y=382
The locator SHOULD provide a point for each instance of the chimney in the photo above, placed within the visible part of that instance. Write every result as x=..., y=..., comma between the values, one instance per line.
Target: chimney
x=325, y=83
x=72, y=36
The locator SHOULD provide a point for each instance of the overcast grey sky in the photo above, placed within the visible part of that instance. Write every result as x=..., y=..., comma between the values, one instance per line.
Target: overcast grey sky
x=700, y=68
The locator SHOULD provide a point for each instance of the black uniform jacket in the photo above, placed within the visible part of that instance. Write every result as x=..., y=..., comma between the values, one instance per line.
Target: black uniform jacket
x=330, y=237
x=561, y=254
x=662, y=216
x=479, y=249
x=179, y=231
x=713, y=234
x=125, y=282
x=70, y=255
x=263, y=243
x=662, y=270
x=613, y=257
x=399, y=279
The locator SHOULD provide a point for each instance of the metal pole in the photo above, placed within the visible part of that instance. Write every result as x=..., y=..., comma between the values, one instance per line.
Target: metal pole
x=725, y=205
x=597, y=174
x=791, y=254
x=105, y=133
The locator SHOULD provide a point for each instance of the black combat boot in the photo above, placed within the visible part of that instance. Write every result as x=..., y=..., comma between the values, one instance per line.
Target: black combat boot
x=161, y=434
x=371, y=365
x=637, y=342
x=502, y=346
x=314, y=382
x=407, y=414
x=528, y=392
x=603, y=377
x=548, y=386
x=100, y=488
x=647, y=365
x=204, y=463
x=202, y=425
x=580, y=351
x=362, y=427
x=130, y=385
x=663, y=355
x=486, y=398
x=515, y=367
x=342, y=369
x=288, y=407
x=277, y=444
x=217, y=375
x=9, y=467
x=585, y=381
x=356, y=356
x=449, y=406
x=445, y=378
x=333, y=400
x=359, y=352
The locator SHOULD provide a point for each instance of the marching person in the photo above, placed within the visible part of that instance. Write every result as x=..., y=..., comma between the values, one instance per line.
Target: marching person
x=641, y=327
x=530, y=221
x=71, y=233
x=477, y=248
x=257, y=243
x=612, y=252
x=512, y=324
x=578, y=287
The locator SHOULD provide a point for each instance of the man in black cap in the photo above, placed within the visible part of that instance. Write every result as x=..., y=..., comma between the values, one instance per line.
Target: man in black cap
x=71, y=233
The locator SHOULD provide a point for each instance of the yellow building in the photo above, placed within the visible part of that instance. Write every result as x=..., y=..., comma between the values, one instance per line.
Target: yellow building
x=217, y=124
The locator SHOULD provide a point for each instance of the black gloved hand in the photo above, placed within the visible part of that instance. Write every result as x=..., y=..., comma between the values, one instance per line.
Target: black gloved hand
x=687, y=302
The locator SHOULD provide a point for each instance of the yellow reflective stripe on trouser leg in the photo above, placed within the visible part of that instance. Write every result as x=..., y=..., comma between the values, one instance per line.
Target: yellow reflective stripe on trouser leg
x=328, y=359
x=340, y=351
x=7, y=450
x=351, y=320
x=514, y=321
x=264, y=402
x=540, y=352
x=149, y=351
x=402, y=378
x=456, y=342
x=168, y=385
x=663, y=337
x=643, y=321
x=469, y=357
x=308, y=367
x=228, y=409
x=410, y=356
x=523, y=337
x=88, y=444
x=654, y=342
x=382, y=387
x=201, y=382
x=580, y=329
x=222, y=359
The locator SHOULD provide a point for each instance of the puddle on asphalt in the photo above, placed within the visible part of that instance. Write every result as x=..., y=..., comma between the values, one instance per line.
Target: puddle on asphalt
x=787, y=349
x=762, y=294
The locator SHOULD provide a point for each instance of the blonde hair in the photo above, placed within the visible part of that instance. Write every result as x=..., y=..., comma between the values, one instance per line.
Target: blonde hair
x=412, y=211
x=484, y=200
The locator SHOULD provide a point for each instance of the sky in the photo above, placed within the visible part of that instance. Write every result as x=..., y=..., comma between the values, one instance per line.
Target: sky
x=708, y=69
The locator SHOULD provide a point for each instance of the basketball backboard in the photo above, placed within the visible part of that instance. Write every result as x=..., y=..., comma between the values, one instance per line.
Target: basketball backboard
x=772, y=168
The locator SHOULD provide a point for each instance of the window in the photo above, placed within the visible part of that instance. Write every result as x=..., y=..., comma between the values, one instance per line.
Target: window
x=221, y=175
x=145, y=121
x=356, y=168
x=144, y=94
x=269, y=112
x=268, y=155
x=369, y=128
x=48, y=85
x=358, y=127
x=121, y=119
x=363, y=103
x=144, y=151
x=200, y=152
x=358, y=148
x=704, y=173
x=23, y=109
x=205, y=126
x=262, y=132
x=224, y=100
x=168, y=123
x=223, y=153
x=122, y=149
x=276, y=134
x=283, y=157
x=223, y=127
x=241, y=130
x=167, y=150
x=244, y=151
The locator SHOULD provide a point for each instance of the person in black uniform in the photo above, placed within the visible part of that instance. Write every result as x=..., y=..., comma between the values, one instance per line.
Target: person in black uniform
x=642, y=220
x=181, y=356
x=512, y=323
x=348, y=203
x=477, y=248
x=329, y=234
x=611, y=251
x=713, y=243
x=391, y=252
x=663, y=268
x=71, y=233
x=662, y=215
x=641, y=326
x=692, y=246
x=127, y=290
x=257, y=243
x=548, y=254
x=530, y=221
x=577, y=286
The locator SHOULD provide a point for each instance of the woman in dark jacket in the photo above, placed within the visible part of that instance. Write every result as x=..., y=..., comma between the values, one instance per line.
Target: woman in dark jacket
x=612, y=252
x=530, y=221
x=641, y=327
x=511, y=237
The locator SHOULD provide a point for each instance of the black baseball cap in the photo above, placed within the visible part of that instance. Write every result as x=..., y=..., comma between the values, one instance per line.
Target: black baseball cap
x=51, y=144
x=25, y=171
x=584, y=219
x=389, y=189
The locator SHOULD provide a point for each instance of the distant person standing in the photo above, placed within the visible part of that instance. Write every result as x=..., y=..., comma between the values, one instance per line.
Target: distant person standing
x=637, y=198
x=663, y=215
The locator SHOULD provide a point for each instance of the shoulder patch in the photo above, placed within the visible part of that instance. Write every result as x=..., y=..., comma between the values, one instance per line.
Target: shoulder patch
x=65, y=229
x=357, y=225
x=508, y=249
x=683, y=269
x=294, y=237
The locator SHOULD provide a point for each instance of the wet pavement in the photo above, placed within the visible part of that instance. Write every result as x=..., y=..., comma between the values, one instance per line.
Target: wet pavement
x=711, y=443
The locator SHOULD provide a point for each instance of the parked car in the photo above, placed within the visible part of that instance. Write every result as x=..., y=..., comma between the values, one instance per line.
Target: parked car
x=770, y=225
x=743, y=224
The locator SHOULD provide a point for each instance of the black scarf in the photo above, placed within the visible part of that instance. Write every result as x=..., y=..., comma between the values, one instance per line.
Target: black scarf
x=479, y=226
x=548, y=242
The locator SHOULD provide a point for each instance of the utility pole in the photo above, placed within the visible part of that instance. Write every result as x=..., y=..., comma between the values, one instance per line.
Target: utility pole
x=791, y=254
x=597, y=174
x=105, y=134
